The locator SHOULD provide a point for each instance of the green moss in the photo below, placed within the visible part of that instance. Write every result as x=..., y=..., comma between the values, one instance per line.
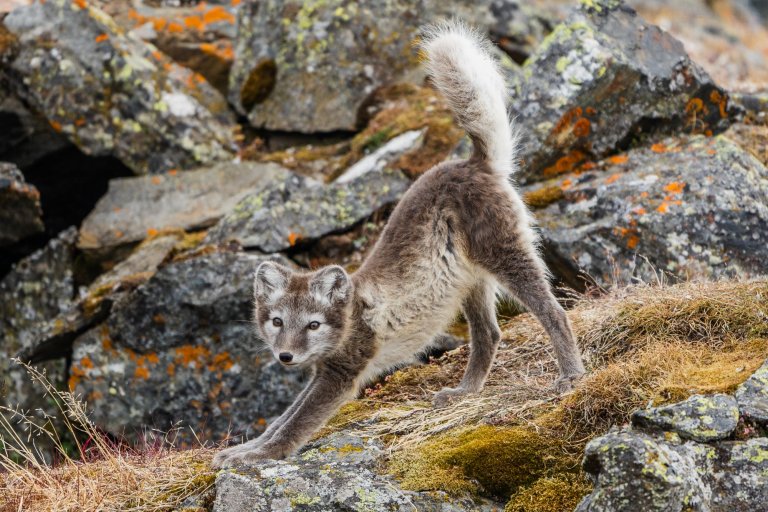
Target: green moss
x=550, y=494
x=377, y=140
x=486, y=460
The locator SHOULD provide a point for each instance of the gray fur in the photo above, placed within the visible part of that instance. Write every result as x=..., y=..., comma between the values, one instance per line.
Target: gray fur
x=460, y=233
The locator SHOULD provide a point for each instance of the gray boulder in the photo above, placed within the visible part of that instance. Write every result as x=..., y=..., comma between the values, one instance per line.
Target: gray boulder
x=603, y=78
x=752, y=397
x=112, y=94
x=179, y=349
x=685, y=207
x=298, y=210
x=336, y=473
x=699, y=418
x=20, y=212
x=132, y=208
x=308, y=67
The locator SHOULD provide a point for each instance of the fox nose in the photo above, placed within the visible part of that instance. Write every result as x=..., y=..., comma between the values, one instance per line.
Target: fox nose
x=286, y=357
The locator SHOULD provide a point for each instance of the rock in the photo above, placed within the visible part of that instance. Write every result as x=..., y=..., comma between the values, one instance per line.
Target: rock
x=135, y=207
x=38, y=288
x=752, y=397
x=198, y=37
x=600, y=80
x=382, y=157
x=686, y=207
x=699, y=418
x=177, y=350
x=634, y=472
x=308, y=67
x=301, y=210
x=20, y=212
x=111, y=94
x=337, y=473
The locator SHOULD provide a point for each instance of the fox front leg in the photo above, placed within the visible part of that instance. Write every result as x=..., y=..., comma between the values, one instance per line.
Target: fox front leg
x=324, y=395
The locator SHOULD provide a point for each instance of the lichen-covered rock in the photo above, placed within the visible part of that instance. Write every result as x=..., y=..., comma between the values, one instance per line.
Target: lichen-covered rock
x=600, y=79
x=179, y=348
x=20, y=212
x=298, y=209
x=337, y=473
x=132, y=208
x=752, y=397
x=112, y=94
x=197, y=35
x=632, y=472
x=686, y=207
x=699, y=418
x=38, y=288
x=309, y=66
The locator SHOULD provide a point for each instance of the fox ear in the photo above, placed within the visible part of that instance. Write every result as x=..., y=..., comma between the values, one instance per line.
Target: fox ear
x=331, y=285
x=270, y=281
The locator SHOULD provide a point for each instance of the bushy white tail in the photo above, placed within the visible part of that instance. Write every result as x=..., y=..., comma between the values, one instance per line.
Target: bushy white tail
x=462, y=67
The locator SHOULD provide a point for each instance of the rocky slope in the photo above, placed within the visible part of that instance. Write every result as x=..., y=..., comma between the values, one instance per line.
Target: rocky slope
x=152, y=153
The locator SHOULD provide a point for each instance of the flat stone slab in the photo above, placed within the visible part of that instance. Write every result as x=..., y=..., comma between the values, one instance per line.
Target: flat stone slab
x=701, y=418
x=299, y=210
x=20, y=212
x=752, y=396
x=132, y=208
x=336, y=473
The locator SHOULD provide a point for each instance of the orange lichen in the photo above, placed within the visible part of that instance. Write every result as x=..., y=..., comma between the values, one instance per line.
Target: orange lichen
x=81, y=3
x=86, y=362
x=141, y=372
x=721, y=101
x=582, y=127
x=676, y=187
x=156, y=180
x=217, y=14
x=566, y=163
x=618, y=159
x=293, y=238
x=194, y=22
x=612, y=178
x=633, y=241
x=659, y=147
x=56, y=126
x=191, y=354
x=159, y=23
x=158, y=319
x=694, y=106
x=171, y=369
x=101, y=38
x=639, y=210
x=175, y=28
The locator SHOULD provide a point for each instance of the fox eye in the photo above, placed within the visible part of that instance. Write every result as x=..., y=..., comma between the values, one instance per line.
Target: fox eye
x=314, y=325
x=277, y=322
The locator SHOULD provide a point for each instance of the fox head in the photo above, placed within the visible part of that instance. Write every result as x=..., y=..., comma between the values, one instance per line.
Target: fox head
x=301, y=316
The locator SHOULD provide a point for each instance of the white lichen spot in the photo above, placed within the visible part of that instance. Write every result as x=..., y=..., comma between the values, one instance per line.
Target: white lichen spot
x=179, y=104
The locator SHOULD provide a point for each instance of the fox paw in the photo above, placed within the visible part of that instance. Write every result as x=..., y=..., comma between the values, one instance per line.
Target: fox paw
x=247, y=454
x=565, y=384
x=446, y=395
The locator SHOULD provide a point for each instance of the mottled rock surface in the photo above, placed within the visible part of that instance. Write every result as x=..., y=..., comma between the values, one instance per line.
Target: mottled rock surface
x=38, y=289
x=752, y=397
x=299, y=210
x=337, y=473
x=308, y=67
x=686, y=207
x=132, y=208
x=179, y=348
x=602, y=78
x=112, y=94
x=699, y=418
x=20, y=212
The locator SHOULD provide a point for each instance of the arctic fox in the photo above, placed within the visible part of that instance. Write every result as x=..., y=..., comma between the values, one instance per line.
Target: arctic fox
x=460, y=233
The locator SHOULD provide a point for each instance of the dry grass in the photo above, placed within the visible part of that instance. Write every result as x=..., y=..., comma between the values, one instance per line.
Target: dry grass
x=646, y=344
x=104, y=476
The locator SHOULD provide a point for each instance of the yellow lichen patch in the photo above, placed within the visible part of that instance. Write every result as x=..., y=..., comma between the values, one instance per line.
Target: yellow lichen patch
x=543, y=197
x=494, y=461
x=550, y=494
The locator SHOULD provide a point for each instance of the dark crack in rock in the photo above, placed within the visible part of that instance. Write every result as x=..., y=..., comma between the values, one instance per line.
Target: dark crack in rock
x=136, y=207
x=337, y=473
x=299, y=210
x=308, y=67
x=180, y=348
x=112, y=94
x=602, y=78
x=701, y=418
x=684, y=207
x=752, y=397
x=20, y=212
